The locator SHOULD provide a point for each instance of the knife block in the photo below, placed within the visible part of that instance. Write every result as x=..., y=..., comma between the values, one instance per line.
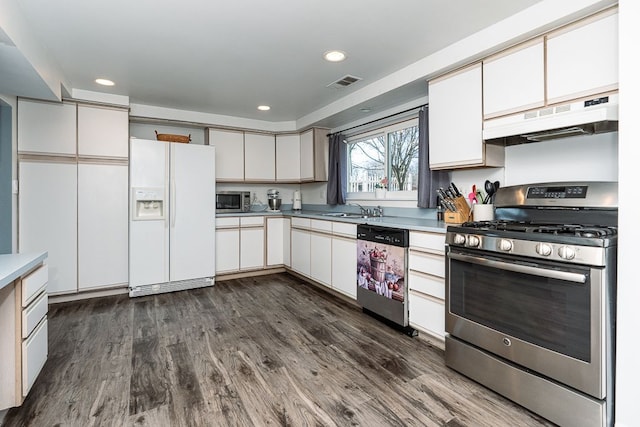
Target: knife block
x=463, y=215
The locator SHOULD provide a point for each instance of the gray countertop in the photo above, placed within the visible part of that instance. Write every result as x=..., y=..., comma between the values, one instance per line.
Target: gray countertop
x=415, y=224
x=13, y=266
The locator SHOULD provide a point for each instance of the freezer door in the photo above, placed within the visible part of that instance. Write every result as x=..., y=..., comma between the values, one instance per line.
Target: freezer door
x=192, y=211
x=148, y=240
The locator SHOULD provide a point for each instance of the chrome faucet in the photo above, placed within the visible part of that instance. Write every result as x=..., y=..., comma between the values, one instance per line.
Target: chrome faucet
x=378, y=211
x=363, y=211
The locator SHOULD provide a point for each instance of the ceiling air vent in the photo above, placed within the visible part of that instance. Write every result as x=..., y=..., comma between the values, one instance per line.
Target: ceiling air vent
x=344, y=82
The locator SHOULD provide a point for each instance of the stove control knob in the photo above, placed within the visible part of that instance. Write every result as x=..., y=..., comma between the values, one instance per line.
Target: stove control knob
x=505, y=245
x=567, y=252
x=473, y=241
x=543, y=249
x=459, y=239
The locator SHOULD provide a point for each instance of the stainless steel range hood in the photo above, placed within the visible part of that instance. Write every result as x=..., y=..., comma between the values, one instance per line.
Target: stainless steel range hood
x=597, y=115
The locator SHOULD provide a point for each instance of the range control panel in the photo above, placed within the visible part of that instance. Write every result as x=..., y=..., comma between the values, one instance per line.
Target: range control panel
x=558, y=192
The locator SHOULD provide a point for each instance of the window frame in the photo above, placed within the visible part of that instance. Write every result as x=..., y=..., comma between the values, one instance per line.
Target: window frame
x=383, y=131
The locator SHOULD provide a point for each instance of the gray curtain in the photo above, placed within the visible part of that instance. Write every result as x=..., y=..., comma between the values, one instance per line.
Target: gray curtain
x=428, y=181
x=337, y=180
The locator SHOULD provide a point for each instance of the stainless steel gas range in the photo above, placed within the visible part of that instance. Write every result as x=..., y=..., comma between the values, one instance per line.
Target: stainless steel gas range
x=530, y=299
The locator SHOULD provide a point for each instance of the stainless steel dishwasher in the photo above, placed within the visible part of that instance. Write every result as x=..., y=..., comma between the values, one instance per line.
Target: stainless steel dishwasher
x=382, y=280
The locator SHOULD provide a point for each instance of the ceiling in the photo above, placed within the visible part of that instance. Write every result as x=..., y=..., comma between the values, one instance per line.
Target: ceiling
x=229, y=57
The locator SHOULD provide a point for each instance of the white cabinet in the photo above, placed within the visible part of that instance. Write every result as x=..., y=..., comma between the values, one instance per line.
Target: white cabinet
x=344, y=262
x=102, y=225
x=275, y=241
x=47, y=127
x=229, y=154
x=252, y=246
x=48, y=219
x=103, y=131
x=227, y=244
x=286, y=242
x=301, y=246
x=314, y=155
x=513, y=80
x=288, y=158
x=320, y=251
x=259, y=157
x=426, y=282
x=582, y=59
x=455, y=122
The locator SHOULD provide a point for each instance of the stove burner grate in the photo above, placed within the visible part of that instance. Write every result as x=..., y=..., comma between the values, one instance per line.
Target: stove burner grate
x=576, y=230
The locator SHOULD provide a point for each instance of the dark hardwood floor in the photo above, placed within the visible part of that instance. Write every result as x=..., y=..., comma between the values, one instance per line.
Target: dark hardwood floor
x=265, y=351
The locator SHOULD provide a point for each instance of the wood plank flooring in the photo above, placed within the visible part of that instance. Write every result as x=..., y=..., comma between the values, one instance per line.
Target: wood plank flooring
x=262, y=351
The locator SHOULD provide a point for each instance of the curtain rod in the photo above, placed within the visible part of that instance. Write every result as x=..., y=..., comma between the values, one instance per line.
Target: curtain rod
x=381, y=118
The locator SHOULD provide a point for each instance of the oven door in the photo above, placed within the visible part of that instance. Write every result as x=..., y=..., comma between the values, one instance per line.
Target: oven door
x=544, y=316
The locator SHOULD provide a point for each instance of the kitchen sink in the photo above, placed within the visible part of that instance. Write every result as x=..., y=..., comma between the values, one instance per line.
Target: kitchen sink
x=344, y=215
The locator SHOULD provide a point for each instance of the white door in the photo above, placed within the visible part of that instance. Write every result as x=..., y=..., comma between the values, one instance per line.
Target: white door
x=148, y=239
x=192, y=213
x=103, y=246
x=48, y=219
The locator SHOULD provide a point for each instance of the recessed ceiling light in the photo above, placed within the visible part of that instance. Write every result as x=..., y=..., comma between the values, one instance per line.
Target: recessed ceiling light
x=264, y=108
x=334, y=55
x=365, y=110
x=105, y=82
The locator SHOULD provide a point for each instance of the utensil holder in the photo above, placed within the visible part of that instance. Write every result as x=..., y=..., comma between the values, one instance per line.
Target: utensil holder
x=463, y=214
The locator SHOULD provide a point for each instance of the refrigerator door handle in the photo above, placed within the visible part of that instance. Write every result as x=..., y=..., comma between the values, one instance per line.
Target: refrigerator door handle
x=173, y=203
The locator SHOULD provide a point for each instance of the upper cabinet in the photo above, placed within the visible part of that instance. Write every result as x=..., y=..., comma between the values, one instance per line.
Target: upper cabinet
x=582, y=59
x=288, y=158
x=314, y=155
x=103, y=131
x=513, y=80
x=260, y=157
x=455, y=122
x=229, y=154
x=46, y=127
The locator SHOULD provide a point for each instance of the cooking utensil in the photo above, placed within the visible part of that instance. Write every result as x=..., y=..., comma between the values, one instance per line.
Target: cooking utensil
x=496, y=185
x=490, y=188
x=473, y=199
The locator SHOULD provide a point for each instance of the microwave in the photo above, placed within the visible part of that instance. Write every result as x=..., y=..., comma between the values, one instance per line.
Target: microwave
x=233, y=201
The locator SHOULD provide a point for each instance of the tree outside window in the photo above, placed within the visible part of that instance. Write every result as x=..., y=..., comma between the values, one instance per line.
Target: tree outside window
x=389, y=154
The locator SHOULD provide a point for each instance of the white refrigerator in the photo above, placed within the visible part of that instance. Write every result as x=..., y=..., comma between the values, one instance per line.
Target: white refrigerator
x=172, y=216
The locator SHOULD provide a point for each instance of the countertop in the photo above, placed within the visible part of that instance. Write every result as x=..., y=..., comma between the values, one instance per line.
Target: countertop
x=13, y=266
x=415, y=224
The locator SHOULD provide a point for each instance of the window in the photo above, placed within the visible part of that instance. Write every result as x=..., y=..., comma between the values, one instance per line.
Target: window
x=384, y=157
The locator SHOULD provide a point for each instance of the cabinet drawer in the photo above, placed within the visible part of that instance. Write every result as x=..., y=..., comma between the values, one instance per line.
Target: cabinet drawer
x=426, y=263
x=228, y=222
x=345, y=229
x=252, y=221
x=34, y=283
x=429, y=241
x=32, y=315
x=317, y=224
x=427, y=284
x=34, y=355
x=301, y=222
x=427, y=314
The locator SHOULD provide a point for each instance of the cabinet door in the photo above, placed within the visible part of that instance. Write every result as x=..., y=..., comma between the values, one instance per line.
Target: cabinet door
x=513, y=81
x=286, y=242
x=306, y=156
x=227, y=250
x=103, y=241
x=251, y=248
x=344, y=266
x=275, y=241
x=259, y=157
x=229, y=154
x=46, y=127
x=455, y=119
x=288, y=158
x=103, y=131
x=301, y=251
x=582, y=59
x=321, y=258
x=48, y=219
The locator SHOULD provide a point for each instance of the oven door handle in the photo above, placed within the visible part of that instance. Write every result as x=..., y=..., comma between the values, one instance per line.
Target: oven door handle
x=518, y=268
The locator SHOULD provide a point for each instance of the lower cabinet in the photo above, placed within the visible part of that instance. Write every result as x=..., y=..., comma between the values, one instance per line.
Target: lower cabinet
x=240, y=244
x=320, y=259
x=300, y=250
x=426, y=282
x=344, y=265
x=278, y=242
x=24, y=334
